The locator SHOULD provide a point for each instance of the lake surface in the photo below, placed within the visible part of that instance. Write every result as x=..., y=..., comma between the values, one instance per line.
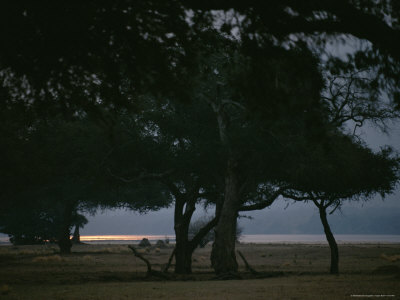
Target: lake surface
x=246, y=238
x=318, y=238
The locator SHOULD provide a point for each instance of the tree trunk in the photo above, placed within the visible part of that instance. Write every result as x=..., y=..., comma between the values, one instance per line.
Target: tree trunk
x=76, y=238
x=183, y=253
x=64, y=240
x=182, y=217
x=331, y=240
x=223, y=258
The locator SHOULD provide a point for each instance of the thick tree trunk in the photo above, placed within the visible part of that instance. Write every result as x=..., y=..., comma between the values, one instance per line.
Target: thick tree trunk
x=183, y=253
x=223, y=258
x=332, y=242
x=184, y=209
x=64, y=240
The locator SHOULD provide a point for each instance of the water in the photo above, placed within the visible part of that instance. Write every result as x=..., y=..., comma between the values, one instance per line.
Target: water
x=124, y=239
x=317, y=238
x=246, y=238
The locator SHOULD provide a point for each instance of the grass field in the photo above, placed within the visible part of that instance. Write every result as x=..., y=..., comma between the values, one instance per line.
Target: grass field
x=290, y=271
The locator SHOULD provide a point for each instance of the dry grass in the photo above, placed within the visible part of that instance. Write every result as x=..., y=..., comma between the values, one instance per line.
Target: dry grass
x=391, y=258
x=113, y=272
x=5, y=289
x=47, y=259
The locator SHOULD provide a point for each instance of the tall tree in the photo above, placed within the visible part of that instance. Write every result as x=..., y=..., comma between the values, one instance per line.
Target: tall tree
x=247, y=129
x=343, y=170
x=57, y=169
x=172, y=144
x=274, y=33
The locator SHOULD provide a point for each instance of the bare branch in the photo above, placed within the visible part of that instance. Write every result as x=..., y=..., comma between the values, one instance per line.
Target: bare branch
x=336, y=207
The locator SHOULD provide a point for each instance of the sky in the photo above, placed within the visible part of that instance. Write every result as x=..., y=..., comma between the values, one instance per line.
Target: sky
x=281, y=217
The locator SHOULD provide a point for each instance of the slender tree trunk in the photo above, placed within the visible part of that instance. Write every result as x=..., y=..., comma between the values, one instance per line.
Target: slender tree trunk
x=331, y=240
x=223, y=258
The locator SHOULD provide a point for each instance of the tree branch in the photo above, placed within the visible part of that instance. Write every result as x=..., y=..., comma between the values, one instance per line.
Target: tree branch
x=143, y=176
x=203, y=231
x=263, y=204
x=138, y=255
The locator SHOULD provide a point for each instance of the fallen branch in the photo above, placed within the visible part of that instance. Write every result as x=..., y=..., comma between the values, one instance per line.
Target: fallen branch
x=248, y=267
x=169, y=261
x=150, y=272
x=137, y=254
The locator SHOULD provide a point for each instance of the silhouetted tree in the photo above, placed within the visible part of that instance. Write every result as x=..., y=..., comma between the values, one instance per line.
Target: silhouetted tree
x=248, y=136
x=271, y=37
x=58, y=164
x=342, y=171
x=171, y=144
x=54, y=171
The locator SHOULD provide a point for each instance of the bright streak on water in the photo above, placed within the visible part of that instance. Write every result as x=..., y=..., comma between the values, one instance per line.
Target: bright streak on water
x=115, y=238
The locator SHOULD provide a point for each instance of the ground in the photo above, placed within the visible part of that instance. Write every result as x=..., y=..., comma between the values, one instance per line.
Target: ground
x=288, y=271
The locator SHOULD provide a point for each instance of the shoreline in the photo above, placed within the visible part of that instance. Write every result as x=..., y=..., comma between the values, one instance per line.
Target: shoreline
x=258, y=239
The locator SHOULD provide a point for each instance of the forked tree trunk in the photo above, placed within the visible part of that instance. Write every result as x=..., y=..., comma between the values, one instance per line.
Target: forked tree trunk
x=184, y=248
x=331, y=240
x=223, y=258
